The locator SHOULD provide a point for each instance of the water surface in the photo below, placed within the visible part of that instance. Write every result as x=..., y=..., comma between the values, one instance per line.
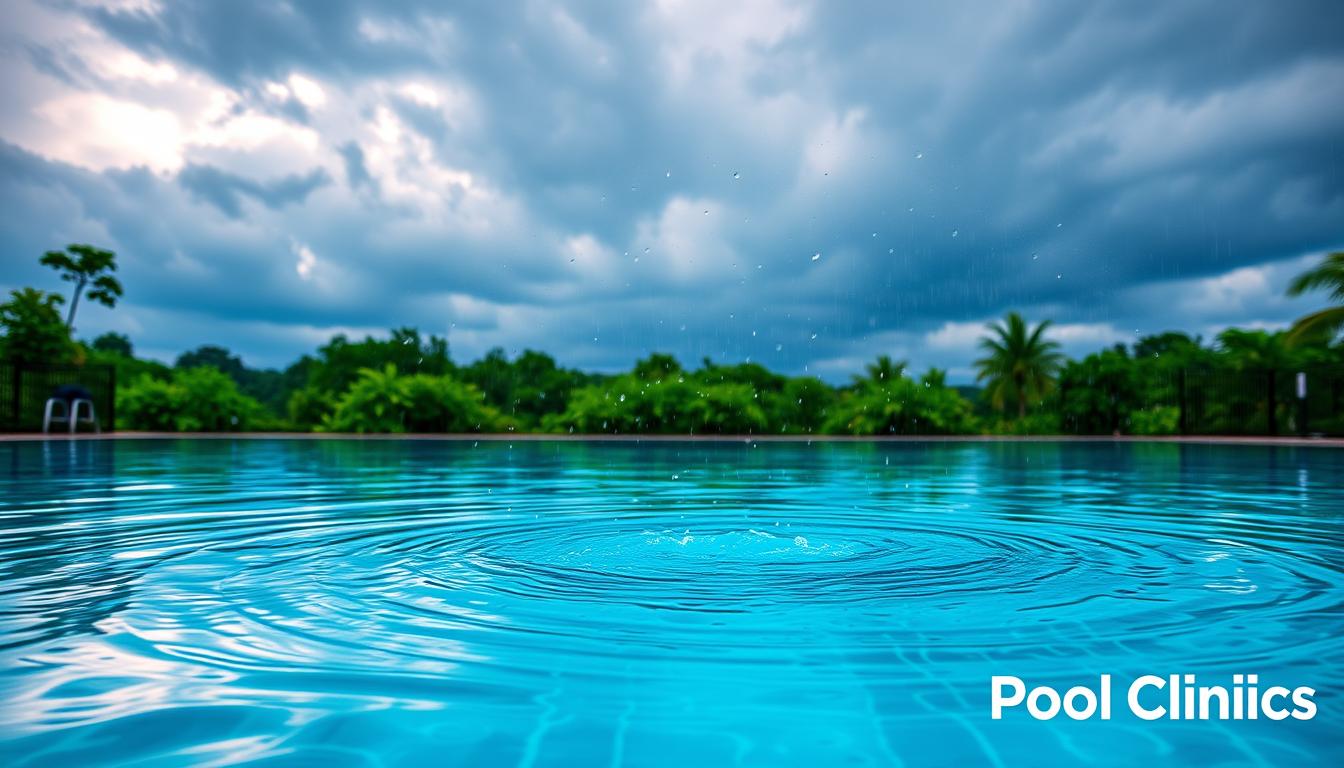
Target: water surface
x=544, y=603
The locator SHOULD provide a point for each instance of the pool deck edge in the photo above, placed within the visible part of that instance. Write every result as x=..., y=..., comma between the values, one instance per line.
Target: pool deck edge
x=1319, y=442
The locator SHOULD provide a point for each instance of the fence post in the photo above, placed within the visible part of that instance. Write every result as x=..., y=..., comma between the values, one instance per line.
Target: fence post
x=16, y=396
x=1302, y=408
x=112, y=398
x=1272, y=415
x=1063, y=406
x=1180, y=401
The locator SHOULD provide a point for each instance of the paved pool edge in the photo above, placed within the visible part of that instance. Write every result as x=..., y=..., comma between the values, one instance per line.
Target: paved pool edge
x=1321, y=442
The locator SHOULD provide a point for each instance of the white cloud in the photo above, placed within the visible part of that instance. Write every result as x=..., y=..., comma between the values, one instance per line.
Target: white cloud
x=307, y=260
x=98, y=131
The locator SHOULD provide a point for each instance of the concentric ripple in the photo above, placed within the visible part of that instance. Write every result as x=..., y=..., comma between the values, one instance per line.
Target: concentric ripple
x=599, y=603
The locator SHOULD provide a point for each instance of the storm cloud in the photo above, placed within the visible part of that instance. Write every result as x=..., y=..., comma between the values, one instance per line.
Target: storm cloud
x=801, y=184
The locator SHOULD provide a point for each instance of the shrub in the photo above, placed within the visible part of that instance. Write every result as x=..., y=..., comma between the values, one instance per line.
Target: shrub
x=1158, y=420
x=382, y=401
x=900, y=405
x=193, y=400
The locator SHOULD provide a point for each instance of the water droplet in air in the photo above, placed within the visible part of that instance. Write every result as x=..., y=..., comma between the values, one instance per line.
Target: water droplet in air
x=737, y=175
x=646, y=250
x=919, y=155
x=814, y=335
x=779, y=347
x=668, y=174
x=955, y=233
x=799, y=541
x=1035, y=256
x=622, y=398
x=816, y=256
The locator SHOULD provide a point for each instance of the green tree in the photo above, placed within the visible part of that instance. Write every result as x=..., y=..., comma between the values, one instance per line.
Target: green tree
x=193, y=400
x=265, y=385
x=1326, y=323
x=1098, y=393
x=802, y=406
x=1254, y=349
x=1020, y=363
x=340, y=362
x=527, y=388
x=885, y=369
x=33, y=329
x=385, y=401
x=656, y=367
x=887, y=402
x=215, y=357
x=114, y=343
x=86, y=267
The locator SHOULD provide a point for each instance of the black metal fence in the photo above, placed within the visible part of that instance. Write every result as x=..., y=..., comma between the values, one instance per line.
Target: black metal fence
x=1209, y=401
x=24, y=390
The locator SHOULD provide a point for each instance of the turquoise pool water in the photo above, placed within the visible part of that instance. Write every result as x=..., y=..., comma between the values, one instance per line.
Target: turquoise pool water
x=561, y=603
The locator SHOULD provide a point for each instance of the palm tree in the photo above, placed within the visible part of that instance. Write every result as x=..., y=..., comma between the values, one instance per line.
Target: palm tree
x=85, y=265
x=883, y=370
x=1329, y=274
x=1254, y=349
x=1020, y=363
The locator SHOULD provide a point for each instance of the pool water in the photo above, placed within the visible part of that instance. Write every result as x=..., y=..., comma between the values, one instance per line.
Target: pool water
x=338, y=602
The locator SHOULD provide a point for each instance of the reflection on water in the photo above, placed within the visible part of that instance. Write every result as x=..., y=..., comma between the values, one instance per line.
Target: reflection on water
x=392, y=602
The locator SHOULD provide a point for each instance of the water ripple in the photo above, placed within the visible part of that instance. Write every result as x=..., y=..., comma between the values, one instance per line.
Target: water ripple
x=565, y=599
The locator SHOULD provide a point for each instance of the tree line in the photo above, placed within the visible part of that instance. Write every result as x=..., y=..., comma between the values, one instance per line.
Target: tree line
x=407, y=382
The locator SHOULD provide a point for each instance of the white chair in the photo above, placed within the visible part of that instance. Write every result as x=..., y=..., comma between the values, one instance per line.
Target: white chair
x=69, y=413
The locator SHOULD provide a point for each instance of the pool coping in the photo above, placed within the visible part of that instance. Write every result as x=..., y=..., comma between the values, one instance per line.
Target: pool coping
x=1314, y=442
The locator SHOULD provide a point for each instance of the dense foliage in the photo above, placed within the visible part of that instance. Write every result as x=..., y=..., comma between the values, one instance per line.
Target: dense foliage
x=385, y=401
x=1245, y=381
x=33, y=330
x=191, y=400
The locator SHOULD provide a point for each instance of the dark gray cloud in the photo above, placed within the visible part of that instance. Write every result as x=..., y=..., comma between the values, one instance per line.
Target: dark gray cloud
x=602, y=180
x=226, y=190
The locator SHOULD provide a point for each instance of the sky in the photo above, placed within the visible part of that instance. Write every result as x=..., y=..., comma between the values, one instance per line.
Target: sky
x=802, y=184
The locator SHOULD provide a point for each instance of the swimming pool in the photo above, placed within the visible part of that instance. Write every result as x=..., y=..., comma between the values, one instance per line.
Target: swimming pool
x=393, y=602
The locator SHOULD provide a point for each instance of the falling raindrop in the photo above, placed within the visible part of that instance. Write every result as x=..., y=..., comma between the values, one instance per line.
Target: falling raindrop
x=814, y=335
x=779, y=347
x=737, y=175
x=668, y=174
x=955, y=233
x=919, y=155
x=816, y=256
x=1035, y=256
x=646, y=249
x=622, y=398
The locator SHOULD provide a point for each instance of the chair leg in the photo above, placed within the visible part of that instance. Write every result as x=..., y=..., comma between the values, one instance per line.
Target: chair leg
x=75, y=417
x=49, y=414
